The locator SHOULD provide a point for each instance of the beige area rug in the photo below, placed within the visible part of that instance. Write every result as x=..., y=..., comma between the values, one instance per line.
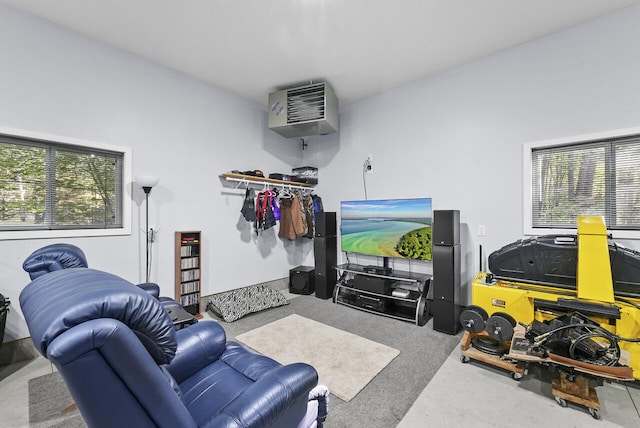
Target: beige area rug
x=346, y=363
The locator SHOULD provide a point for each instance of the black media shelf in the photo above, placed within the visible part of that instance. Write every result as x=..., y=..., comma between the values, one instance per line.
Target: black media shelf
x=412, y=308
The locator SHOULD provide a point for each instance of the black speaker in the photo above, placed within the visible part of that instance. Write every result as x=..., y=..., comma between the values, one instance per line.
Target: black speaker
x=373, y=284
x=324, y=287
x=325, y=223
x=446, y=273
x=446, y=227
x=326, y=257
x=302, y=280
x=446, y=316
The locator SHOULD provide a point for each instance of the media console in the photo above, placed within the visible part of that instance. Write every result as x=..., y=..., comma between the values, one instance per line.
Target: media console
x=396, y=294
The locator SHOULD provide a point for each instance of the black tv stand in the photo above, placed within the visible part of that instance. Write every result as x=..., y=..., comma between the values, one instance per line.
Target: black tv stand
x=405, y=299
x=378, y=270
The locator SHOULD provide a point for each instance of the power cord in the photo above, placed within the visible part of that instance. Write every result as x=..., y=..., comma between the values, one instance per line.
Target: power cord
x=151, y=236
x=592, y=331
x=366, y=167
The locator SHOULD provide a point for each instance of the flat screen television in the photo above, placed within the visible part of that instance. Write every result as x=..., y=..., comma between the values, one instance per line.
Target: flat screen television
x=399, y=228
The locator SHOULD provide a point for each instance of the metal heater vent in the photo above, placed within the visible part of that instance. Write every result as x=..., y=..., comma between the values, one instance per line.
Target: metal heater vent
x=304, y=111
x=305, y=104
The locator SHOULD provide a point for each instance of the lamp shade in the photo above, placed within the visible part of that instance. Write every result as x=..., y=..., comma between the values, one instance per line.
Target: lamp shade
x=146, y=180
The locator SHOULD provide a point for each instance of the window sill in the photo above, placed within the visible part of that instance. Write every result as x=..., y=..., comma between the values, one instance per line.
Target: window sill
x=73, y=233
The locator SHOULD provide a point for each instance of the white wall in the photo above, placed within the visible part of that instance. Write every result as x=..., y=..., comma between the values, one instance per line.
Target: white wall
x=184, y=131
x=457, y=137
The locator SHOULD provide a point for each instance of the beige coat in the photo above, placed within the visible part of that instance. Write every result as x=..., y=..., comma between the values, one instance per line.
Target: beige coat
x=292, y=224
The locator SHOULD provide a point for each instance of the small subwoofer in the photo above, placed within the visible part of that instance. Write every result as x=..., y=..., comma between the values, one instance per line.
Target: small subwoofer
x=301, y=280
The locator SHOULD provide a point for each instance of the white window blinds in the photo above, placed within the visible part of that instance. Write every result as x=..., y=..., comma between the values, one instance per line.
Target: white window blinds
x=593, y=178
x=45, y=185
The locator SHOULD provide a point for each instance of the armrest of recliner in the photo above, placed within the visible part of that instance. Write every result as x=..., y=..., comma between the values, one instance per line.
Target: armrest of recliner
x=268, y=398
x=198, y=346
x=151, y=288
x=247, y=362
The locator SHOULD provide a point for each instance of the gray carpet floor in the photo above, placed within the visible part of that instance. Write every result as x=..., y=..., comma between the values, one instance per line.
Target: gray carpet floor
x=381, y=404
x=49, y=402
x=388, y=397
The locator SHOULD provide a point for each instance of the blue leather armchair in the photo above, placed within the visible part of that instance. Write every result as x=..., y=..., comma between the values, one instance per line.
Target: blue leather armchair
x=125, y=364
x=51, y=258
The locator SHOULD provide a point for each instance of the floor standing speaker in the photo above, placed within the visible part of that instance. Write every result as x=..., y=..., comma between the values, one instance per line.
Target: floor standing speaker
x=325, y=249
x=446, y=271
x=325, y=223
x=446, y=316
x=446, y=227
x=302, y=280
x=326, y=257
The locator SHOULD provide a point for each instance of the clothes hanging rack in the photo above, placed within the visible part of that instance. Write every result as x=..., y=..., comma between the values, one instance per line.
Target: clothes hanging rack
x=260, y=182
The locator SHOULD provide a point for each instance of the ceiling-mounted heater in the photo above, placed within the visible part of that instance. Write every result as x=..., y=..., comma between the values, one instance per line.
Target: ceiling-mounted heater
x=304, y=111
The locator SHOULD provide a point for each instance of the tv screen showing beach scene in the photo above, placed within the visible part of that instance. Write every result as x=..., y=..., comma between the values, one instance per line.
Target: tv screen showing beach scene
x=389, y=227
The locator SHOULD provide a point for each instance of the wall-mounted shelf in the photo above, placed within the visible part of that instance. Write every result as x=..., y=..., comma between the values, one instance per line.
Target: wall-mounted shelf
x=260, y=182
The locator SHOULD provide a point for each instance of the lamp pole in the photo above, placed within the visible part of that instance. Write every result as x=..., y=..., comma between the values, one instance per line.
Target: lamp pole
x=147, y=190
x=146, y=182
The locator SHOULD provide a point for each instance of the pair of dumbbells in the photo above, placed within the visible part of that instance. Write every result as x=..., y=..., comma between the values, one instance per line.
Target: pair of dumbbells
x=499, y=325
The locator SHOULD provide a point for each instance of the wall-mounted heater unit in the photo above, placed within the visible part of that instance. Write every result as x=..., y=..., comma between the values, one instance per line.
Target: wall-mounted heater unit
x=304, y=111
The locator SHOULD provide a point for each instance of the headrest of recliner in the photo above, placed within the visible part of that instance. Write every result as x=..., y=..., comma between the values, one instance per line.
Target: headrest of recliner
x=58, y=301
x=54, y=257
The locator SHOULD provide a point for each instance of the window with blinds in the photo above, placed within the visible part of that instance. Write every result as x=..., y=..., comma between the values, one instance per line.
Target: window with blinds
x=588, y=178
x=48, y=185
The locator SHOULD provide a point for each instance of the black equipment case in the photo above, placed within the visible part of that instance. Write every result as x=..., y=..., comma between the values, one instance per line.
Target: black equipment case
x=552, y=259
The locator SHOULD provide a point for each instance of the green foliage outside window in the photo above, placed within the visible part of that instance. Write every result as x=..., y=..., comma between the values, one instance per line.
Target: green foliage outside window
x=22, y=183
x=598, y=178
x=52, y=186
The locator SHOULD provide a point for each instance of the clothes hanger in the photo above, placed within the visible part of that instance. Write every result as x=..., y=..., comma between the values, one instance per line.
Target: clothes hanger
x=286, y=193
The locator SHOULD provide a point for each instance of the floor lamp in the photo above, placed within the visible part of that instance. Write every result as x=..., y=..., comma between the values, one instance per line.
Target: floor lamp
x=147, y=182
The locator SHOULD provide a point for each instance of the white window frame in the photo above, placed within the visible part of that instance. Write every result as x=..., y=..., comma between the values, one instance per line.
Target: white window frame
x=73, y=233
x=527, y=149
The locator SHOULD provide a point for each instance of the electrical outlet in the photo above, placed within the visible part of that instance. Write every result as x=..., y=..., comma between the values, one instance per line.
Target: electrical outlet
x=368, y=164
x=482, y=230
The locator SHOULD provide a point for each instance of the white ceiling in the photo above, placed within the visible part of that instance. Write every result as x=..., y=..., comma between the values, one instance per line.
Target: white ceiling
x=360, y=47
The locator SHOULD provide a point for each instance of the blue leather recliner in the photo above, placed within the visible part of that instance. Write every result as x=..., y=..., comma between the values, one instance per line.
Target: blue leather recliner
x=126, y=366
x=53, y=257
